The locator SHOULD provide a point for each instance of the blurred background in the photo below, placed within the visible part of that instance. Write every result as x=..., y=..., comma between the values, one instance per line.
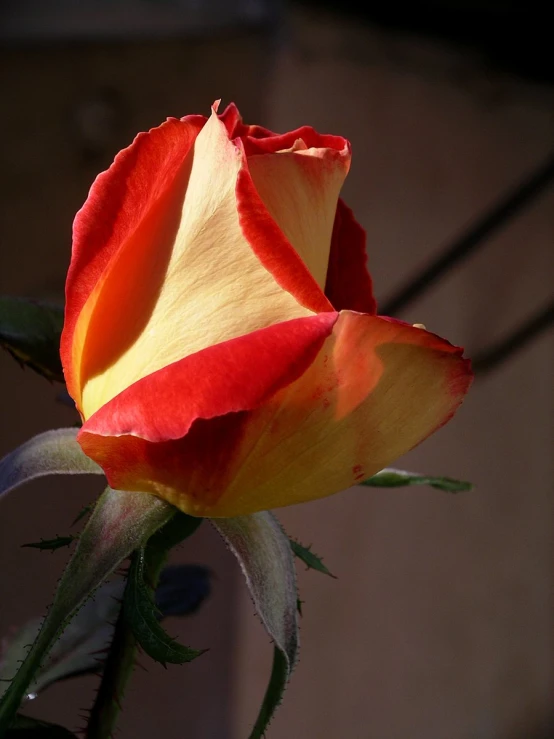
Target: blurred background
x=441, y=622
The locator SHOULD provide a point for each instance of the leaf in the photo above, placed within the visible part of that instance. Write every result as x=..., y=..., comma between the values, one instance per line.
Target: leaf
x=265, y=556
x=139, y=609
x=26, y=727
x=51, y=544
x=390, y=478
x=120, y=523
x=55, y=452
x=310, y=559
x=30, y=331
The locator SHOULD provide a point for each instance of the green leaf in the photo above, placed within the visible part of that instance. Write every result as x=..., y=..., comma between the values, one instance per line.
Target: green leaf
x=265, y=556
x=310, y=559
x=30, y=331
x=55, y=452
x=139, y=608
x=390, y=478
x=52, y=544
x=120, y=523
x=25, y=727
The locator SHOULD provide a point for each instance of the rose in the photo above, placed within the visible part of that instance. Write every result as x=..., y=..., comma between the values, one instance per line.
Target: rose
x=220, y=339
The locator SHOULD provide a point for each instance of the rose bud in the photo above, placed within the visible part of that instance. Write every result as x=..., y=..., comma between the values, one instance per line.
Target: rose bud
x=220, y=338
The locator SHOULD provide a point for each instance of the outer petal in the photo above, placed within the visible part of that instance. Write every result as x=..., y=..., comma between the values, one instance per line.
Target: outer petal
x=185, y=279
x=119, y=201
x=375, y=389
x=143, y=437
x=349, y=285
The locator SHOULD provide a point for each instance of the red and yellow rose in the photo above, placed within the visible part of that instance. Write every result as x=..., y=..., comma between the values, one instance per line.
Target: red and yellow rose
x=221, y=339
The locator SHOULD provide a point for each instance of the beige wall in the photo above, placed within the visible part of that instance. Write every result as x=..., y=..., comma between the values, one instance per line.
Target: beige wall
x=439, y=626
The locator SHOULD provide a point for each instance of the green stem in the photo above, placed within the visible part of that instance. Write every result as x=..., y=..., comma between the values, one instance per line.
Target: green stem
x=115, y=676
x=123, y=649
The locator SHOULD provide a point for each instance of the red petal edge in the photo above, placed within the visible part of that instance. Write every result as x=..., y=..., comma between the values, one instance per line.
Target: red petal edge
x=233, y=376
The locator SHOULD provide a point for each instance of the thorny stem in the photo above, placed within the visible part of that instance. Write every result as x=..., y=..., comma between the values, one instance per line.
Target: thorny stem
x=118, y=668
x=122, y=652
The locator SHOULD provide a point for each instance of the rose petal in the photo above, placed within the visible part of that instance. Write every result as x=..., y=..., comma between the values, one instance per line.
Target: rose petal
x=118, y=202
x=300, y=187
x=375, y=390
x=259, y=140
x=349, y=285
x=272, y=247
x=185, y=279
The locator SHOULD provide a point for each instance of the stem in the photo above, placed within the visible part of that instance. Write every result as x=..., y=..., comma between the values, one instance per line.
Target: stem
x=122, y=653
x=117, y=672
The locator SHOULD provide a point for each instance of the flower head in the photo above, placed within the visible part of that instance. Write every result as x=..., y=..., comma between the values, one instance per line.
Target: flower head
x=221, y=341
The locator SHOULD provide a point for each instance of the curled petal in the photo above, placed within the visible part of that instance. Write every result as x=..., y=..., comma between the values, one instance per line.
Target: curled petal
x=272, y=247
x=300, y=187
x=349, y=285
x=366, y=391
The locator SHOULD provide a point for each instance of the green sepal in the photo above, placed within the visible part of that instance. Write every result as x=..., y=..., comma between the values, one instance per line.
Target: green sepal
x=30, y=331
x=139, y=609
x=265, y=556
x=120, y=523
x=280, y=673
x=78, y=650
x=309, y=558
x=55, y=452
x=141, y=616
x=391, y=478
